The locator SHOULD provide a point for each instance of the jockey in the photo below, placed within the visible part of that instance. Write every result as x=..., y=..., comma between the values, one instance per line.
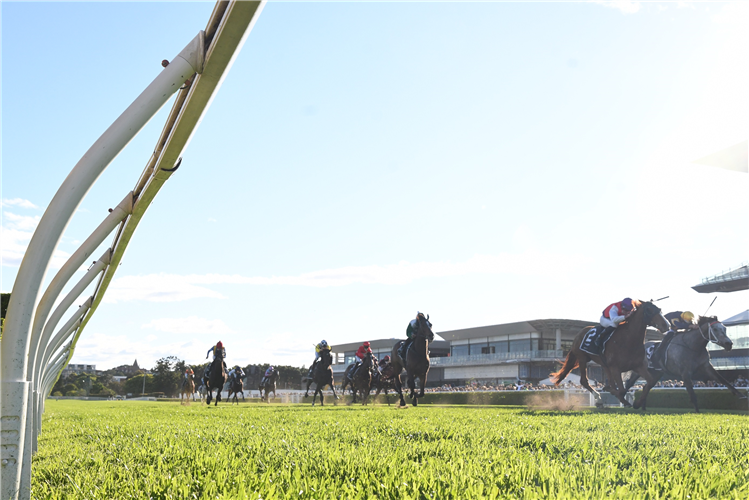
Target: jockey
x=385, y=367
x=679, y=320
x=319, y=348
x=237, y=373
x=411, y=329
x=363, y=350
x=218, y=350
x=268, y=374
x=612, y=316
x=188, y=375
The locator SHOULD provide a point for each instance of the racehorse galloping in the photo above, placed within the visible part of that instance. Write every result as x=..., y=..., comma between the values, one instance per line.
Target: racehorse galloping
x=383, y=381
x=235, y=387
x=269, y=386
x=624, y=352
x=217, y=378
x=687, y=356
x=187, y=390
x=346, y=381
x=322, y=376
x=416, y=363
x=362, y=381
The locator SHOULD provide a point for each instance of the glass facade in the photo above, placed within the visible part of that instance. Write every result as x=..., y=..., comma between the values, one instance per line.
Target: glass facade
x=459, y=350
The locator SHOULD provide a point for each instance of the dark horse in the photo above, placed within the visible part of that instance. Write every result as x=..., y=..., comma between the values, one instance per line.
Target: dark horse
x=217, y=377
x=624, y=352
x=416, y=363
x=384, y=380
x=235, y=387
x=687, y=356
x=361, y=383
x=268, y=386
x=322, y=376
x=347, y=381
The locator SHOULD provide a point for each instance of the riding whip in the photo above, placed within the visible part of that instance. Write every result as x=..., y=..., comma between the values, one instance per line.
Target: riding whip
x=711, y=304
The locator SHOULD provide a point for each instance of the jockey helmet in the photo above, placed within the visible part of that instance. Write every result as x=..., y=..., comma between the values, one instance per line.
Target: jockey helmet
x=219, y=345
x=366, y=344
x=386, y=358
x=627, y=304
x=687, y=316
x=324, y=343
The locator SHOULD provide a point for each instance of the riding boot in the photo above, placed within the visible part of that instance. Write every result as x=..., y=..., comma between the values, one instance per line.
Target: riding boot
x=603, y=337
x=659, y=355
x=404, y=349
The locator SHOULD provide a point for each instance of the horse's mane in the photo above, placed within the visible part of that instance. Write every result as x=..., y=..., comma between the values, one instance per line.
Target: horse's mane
x=706, y=319
x=636, y=303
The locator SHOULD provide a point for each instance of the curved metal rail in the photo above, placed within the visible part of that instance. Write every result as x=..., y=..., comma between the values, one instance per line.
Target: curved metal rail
x=32, y=359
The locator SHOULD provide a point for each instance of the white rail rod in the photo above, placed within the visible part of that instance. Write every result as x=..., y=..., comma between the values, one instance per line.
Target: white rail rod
x=15, y=345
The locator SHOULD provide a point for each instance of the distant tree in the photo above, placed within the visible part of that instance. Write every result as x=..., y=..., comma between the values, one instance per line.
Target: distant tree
x=134, y=385
x=167, y=377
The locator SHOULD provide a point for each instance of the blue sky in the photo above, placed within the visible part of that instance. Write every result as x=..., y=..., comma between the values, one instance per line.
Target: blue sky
x=481, y=162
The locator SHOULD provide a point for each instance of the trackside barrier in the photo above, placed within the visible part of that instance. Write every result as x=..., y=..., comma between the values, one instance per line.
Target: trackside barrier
x=26, y=373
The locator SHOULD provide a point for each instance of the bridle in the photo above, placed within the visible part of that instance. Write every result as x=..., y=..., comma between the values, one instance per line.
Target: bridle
x=711, y=335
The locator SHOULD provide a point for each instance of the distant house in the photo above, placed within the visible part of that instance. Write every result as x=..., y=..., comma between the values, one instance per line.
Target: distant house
x=127, y=370
x=72, y=369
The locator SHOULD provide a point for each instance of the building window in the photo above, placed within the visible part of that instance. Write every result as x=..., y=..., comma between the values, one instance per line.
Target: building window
x=477, y=349
x=502, y=346
x=548, y=344
x=487, y=350
x=459, y=350
x=520, y=345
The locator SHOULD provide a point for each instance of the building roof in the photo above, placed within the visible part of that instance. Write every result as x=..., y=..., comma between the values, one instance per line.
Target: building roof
x=729, y=281
x=740, y=319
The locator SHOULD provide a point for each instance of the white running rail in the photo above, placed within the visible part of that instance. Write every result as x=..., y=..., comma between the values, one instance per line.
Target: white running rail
x=31, y=357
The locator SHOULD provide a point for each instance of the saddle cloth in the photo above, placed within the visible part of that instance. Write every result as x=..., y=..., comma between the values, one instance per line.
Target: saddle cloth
x=589, y=341
x=650, y=348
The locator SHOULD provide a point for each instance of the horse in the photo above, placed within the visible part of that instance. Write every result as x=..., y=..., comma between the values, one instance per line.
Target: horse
x=268, y=386
x=235, y=387
x=361, y=382
x=416, y=363
x=187, y=390
x=218, y=377
x=624, y=352
x=322, y=375
x=346, y=381
x=202, y=392
x=384, y=380
x=687, y=355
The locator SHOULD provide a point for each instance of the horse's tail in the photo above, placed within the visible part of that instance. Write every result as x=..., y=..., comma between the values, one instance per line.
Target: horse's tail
x=570, y=363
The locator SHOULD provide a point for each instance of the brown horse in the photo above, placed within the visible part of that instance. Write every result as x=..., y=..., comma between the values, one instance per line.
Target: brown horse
x=624, y=352
x=416, y=363
x=187, y=391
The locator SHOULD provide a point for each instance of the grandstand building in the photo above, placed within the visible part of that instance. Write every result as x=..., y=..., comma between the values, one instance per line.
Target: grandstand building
x=496, y=354
x=734, y=363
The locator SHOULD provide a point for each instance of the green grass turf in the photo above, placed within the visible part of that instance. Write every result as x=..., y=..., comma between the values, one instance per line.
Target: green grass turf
x=164, y=450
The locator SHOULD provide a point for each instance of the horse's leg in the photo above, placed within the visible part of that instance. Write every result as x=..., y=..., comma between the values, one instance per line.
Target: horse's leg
x=399, y=388
x=332, y=388
x=306, y=391
x=584, y=381
x=687, y=379
x=411, y=384
x=650, y=380
x=615, y=376
x=423, y=382
x=711, y=373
